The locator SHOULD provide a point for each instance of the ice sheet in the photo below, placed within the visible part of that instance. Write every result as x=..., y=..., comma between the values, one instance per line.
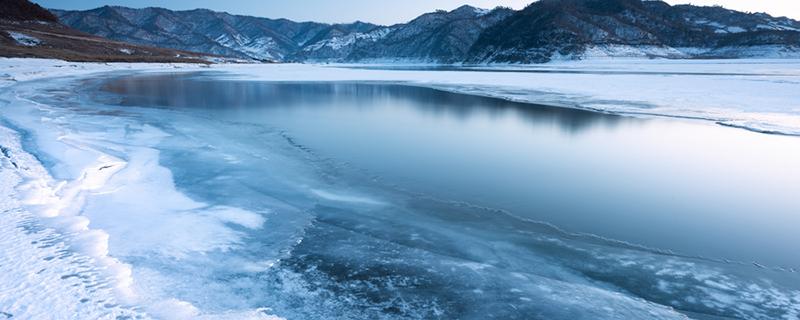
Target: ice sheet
x=98, y=213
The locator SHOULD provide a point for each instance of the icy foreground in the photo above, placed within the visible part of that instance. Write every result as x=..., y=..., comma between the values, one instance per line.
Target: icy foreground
x=80, y=228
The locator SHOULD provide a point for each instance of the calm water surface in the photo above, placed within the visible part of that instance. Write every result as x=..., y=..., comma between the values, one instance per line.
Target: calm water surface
x=457, y=176
x=690, y=187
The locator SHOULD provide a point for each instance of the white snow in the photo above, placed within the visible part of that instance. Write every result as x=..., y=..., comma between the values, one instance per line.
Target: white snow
x=24, y=39
x=482, y=12
x=71, y=267
x=261, y=48
x=733, y=29
x=336, y=43
x=764, y=51
x=776, y=25
x=626, y=51
x=35, y=265
x=264, y=48
x=649, y=51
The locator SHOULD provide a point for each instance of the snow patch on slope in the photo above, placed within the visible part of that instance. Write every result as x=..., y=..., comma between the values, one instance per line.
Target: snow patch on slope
x=626, y=51
x=482, y=12
x=24, y=39
x=763, y=52
x=263, y=48
x=337, y=43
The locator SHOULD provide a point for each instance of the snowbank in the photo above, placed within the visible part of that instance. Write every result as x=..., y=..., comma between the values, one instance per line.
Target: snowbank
x=52, y=248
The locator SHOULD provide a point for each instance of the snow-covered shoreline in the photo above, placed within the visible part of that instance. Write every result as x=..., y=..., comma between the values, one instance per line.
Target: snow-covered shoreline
x=760, y=95
x=52, y=251
x=45, y=237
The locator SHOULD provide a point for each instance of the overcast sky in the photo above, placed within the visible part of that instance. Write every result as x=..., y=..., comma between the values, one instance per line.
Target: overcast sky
x=376, y=11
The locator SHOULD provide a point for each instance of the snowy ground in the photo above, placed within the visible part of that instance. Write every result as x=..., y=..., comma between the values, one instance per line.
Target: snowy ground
x=51, y=251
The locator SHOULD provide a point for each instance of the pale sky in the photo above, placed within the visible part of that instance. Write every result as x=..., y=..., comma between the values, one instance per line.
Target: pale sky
x=376, y=11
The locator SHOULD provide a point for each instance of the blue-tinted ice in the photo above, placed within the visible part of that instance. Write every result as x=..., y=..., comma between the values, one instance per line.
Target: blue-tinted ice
x=374, y=200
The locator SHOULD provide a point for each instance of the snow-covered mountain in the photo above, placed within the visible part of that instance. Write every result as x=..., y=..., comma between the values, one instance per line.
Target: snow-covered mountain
x=28, y=30
x=550, y=29
x=441, y=36
x=203, y=30
x=545, y=30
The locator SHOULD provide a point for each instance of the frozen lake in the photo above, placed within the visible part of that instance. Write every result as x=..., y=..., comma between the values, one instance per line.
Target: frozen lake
x=422, y=202
x=690, y=187
x=372, y=195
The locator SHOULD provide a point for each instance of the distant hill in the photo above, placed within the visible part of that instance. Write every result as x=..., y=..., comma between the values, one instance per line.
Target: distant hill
x=442, y=36
x=576, y=28
x=545, y=30
x=23, y=10
x=206, y=31
x=28, y=30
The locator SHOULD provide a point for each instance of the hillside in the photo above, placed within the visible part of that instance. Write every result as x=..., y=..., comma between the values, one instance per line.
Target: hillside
x=205, y=31
x=28, y=30
x=545, y=30
x=442, y=36
x=575, y=28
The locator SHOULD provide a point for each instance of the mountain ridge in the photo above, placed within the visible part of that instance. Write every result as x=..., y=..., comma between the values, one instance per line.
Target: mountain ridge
x=682, y=31
x=17, y=10
x=543, y=31
x=200, y=30
x=28, y=30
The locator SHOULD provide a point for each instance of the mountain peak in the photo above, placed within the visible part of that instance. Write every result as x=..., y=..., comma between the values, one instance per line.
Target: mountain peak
x=468, y=9
x=24, y=10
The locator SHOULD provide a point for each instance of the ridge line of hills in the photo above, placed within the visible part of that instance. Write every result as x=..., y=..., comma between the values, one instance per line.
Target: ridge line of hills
x=29, y=31
x=543, y=31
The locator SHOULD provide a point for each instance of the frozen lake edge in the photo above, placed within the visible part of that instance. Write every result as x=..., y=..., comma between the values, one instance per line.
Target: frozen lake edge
x=312, y=73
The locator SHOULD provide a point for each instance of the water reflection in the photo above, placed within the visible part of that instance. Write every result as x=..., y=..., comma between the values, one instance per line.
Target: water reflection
x=690, y=187
x=200, y=91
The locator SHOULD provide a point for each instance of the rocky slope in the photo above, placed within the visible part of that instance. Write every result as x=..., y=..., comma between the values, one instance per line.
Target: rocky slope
x=28, y=30
x=576, y=28
x=20, y=10
x=545, y=30
x=204, y=30
x=442, y=36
